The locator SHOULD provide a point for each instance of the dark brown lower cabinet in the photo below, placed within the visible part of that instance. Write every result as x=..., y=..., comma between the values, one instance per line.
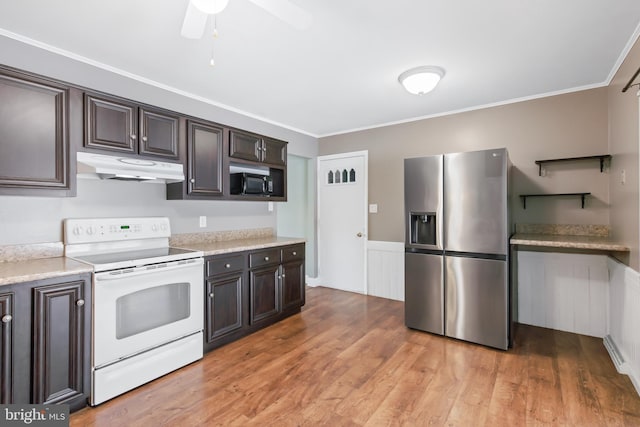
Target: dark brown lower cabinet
x=265, y=291
x=6, y=351
x=247, y=291
x=292, y=284
x=49, y=359
x=224, y=305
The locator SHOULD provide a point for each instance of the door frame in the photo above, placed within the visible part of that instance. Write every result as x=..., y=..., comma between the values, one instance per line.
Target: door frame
x=365, y=212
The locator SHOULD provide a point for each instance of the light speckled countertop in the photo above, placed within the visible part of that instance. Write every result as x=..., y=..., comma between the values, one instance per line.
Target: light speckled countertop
x=24, y=263
x=238, y=245
x=598, y=243
x=40, y=268
x=567, y=236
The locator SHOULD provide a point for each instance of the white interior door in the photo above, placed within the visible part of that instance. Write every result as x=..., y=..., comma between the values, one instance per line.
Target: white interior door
x=342, y=221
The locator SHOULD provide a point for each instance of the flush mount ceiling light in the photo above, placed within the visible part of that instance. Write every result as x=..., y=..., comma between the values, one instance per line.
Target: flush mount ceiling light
x=421, y=80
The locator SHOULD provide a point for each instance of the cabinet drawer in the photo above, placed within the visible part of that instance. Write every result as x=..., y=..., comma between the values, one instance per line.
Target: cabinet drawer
x=293, y=253
x=265, y=257
x=225, y=264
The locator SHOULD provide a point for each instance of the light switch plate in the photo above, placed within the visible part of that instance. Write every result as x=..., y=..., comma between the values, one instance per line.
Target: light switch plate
x=373, y=208
x=203, y=221
x=270, y=206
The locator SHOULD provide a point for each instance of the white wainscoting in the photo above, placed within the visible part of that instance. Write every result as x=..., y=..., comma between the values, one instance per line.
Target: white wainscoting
x=564, y=291
x=385, y=269
x=623, y=335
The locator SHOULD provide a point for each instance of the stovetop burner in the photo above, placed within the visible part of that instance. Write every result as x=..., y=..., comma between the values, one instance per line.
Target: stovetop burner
x=116, y=243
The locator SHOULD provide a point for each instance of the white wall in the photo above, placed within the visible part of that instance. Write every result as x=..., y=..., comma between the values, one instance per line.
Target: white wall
x=296, y=216
x=39, y=219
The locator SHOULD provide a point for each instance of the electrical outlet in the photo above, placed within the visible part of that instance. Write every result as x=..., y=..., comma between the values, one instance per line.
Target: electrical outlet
x=623, y=177
x=203, y=221
x=373, y=208
x=270, y=206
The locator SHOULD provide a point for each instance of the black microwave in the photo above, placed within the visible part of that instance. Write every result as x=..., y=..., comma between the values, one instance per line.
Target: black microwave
x=251, y=183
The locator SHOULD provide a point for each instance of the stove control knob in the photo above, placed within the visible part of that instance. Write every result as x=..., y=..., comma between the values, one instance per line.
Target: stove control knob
x=163, y=227
x=154, y=228
x=90, y=231
x=77, y=230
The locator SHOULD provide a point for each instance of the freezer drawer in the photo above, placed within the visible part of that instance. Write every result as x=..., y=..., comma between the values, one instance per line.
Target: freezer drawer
x=424, y=292
x=477, y=301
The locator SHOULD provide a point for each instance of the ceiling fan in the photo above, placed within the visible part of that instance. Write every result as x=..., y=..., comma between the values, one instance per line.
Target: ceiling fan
x=198, y=11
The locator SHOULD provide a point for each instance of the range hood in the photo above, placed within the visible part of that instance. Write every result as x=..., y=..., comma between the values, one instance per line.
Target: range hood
x=121, y=168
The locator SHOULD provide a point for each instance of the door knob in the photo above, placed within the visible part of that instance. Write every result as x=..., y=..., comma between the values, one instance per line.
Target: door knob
x=7, y=318
x=359, y=234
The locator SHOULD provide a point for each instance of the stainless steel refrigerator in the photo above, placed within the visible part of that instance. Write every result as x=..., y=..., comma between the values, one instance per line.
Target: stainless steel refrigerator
x=457, y=246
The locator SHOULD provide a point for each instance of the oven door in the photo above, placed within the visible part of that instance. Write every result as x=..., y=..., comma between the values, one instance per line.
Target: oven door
x=140, y=308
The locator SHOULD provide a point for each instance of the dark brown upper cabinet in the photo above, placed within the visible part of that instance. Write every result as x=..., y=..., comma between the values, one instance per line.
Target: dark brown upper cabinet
x=116, y=124
x=255, y=148
x=205, y=153
x=34, y=136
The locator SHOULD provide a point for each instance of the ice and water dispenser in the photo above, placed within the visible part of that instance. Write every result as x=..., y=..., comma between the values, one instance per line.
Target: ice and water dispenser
x=422, y=228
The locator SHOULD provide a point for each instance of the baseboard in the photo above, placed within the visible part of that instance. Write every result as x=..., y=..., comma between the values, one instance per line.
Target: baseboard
x=622, y=342
x=312, y=281
x=620, y=363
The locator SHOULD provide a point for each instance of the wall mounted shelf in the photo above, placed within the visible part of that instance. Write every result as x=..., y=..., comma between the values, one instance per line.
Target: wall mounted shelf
x=581, y=195
x=602, y=159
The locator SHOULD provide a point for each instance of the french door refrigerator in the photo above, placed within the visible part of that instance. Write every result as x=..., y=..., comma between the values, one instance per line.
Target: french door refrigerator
x=457, y=245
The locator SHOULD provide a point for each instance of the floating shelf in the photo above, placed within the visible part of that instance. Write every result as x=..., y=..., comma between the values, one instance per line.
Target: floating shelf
x=602, y=158
x=581, y=195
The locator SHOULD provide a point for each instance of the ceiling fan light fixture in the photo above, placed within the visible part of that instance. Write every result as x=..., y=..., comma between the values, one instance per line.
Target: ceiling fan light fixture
x=421, y=80
x=210, y=7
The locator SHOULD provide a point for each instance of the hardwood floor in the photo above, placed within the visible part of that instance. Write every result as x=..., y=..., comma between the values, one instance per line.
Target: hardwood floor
x=348, y=360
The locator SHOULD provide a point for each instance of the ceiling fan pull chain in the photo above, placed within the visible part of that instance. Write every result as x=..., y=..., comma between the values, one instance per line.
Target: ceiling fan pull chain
x=212, y=61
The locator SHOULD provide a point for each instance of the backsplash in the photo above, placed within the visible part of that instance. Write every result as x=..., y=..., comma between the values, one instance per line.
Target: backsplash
x=219, y=236
x=564, y=229
x=33, y=251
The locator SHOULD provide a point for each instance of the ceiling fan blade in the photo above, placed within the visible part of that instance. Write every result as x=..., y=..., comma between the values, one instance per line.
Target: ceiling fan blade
x=194, y=23
x=293, y=15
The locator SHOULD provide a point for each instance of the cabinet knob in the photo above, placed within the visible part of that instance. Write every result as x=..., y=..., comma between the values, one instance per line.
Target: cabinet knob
x=282, y=275
x=80, y=302
x=133, y=137
x=193, y=180
x=266, y=258
x=7, y=318
x=211, y=295
x=294, y=253
x=227, y=266
x=144, y=138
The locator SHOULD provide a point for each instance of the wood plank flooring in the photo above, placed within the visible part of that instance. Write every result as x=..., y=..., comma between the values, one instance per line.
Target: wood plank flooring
x=348, y=360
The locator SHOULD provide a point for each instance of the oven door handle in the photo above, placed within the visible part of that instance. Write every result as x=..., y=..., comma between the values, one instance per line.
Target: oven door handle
x=155, y=268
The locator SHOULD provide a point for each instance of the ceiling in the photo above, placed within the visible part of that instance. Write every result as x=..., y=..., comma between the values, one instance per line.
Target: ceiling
x=341, y=73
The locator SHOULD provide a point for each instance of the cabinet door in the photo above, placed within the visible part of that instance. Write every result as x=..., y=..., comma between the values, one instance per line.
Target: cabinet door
x=293, y=284
x=158, y=134
x=6, y=348
x=264, y=293
x=204, y=151
x=224, y=306
x=58, y=348
x=34, y=141
x=245, y=146
x=274, y=151
x=110, y=124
